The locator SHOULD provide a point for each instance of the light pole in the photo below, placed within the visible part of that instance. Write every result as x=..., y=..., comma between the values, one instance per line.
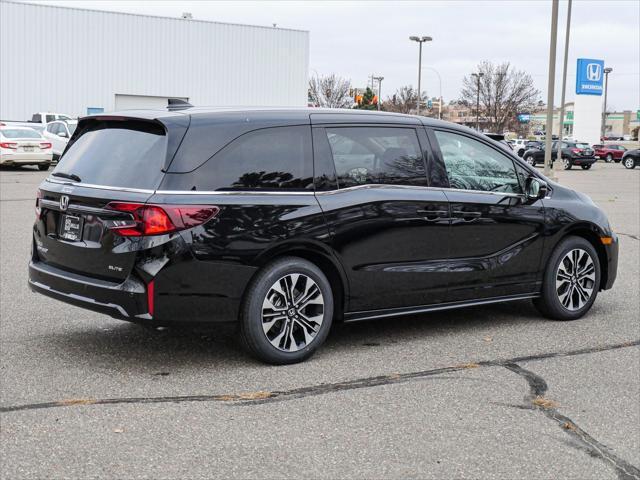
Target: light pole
x=564, y=79
x=548, y=161
x=478, y=77
x=420, y=40
x=440, y=85
x=379, y=79
x=607, y=71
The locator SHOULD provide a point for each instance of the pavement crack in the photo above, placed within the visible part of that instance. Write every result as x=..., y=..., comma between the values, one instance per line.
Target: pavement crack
x=262, y=396
x=536, y=400
x=635, y=237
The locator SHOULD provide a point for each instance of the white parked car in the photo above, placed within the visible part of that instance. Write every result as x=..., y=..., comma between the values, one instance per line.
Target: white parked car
x=24, y=146
x=46, y=117
x=59, y=133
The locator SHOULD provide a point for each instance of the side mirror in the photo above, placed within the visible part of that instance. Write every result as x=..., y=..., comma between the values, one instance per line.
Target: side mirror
x=63, y=134
x=535, y=189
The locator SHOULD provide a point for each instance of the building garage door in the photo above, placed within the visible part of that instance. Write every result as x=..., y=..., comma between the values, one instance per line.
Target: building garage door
x=128, y=102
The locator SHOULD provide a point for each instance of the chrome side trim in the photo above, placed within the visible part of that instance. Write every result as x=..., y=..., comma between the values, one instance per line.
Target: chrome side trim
x=100, y=187
x=374, y=314
x=258, y=192
x=81, y=298
x=234, y=192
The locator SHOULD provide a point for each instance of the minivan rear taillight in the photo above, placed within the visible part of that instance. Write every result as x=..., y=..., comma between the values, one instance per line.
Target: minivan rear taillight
x=159, y=219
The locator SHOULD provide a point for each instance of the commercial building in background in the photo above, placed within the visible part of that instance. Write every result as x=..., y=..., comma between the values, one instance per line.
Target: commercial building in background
x=80, y=61
x=618, y=124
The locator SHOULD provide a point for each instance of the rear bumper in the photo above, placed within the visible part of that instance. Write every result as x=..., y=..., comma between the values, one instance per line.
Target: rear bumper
x=25, y=158
x=126, y=300
x=583, y=160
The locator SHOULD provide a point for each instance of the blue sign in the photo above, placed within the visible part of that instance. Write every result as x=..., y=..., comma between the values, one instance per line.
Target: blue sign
x=589, y=76
x=524, y=117
x=93, y=110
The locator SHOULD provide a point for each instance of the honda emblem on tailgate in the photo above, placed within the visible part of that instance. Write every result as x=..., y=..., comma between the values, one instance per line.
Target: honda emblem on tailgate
x=64, y=203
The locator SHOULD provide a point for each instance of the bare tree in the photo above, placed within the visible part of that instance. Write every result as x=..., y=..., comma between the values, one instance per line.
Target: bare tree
x=330, y=91
x=404, y=100
x=504, y=92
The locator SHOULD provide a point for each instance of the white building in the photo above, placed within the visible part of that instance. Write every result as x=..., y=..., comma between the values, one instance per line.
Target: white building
x=80, y=61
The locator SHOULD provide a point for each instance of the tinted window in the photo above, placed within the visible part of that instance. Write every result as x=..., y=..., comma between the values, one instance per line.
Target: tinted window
x=120, y=154
x=36, y=117
x=19, y=133
x=50, y=118
x=71, y=127
x=472, y=165
x=369, y=155
x=269, y=159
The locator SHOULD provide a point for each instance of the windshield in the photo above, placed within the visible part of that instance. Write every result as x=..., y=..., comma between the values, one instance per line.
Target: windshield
x=582, y=145
x=72, y=127
x=128, y=154
x=19, y=133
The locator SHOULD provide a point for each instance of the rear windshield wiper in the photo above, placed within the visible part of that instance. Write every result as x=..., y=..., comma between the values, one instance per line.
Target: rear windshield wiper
x=70, y=176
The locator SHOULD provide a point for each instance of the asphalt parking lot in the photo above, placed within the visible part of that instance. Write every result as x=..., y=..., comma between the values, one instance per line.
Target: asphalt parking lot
x=491, y=392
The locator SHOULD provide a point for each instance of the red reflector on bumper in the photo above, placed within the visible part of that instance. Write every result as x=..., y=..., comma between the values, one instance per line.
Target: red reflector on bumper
x=150, y=297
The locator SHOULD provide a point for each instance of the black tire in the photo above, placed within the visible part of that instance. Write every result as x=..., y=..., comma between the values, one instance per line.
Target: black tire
x=530, y=160
x=629, y=163
x=608, y=158
x=549, y=303
x=251, y=317
x=43, y=167
x=585, y=167
x=566, y=163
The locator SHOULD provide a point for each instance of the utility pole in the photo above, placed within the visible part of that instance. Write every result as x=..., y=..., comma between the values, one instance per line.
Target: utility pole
x=548, y=161
x=379, y=79
x=478, y=76
x=607, y=71
x=420, y=40
x=564, y=85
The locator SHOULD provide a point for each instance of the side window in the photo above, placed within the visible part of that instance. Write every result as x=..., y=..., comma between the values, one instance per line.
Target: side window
x=50, y=118
x=370, y=155
x=55, y=128
x=472, y=165
x=50, y=128
x=269, y=159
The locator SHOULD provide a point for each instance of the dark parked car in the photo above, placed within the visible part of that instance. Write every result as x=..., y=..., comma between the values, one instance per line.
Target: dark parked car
x=609, y=153
x=288, y=220
x=573, y=153
x=631, y=158
x=532, y=144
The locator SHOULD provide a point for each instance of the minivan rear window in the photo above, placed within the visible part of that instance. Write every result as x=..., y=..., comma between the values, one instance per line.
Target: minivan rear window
x=129, y=154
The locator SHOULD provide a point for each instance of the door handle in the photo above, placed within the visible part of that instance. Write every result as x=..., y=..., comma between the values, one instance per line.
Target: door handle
x=466, y=215
x=432, y=215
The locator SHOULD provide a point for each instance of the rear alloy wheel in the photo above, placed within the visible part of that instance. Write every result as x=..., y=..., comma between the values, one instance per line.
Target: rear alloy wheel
x=586, y=167
x=608, y=158
x=629, y=163
x=287, y=311
x=530, y=160
x=566, y=163
x=571, y=281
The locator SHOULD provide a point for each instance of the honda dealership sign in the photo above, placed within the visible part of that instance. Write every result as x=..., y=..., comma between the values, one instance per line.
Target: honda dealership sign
x=589, y=76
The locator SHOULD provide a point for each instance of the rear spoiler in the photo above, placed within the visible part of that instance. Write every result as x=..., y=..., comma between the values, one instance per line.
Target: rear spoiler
x=177, y=104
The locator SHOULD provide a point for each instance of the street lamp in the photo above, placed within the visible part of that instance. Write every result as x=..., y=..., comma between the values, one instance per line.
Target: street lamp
x=478, y=77
x=379, y=79
x=440, y=84
x=420, y=40
x=607, y=71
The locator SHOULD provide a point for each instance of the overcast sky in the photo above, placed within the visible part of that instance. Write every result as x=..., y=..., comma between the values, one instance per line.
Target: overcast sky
x=355, y=39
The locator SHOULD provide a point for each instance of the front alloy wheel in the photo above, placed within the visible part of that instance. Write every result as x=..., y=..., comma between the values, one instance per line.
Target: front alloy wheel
x=608, y=158
x=530, y=160
x=566, y=163
x=575, y=279
x=629, y=163
x=292, y=312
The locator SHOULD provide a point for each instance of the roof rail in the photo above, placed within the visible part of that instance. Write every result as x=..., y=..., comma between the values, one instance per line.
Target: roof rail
x=177, y=104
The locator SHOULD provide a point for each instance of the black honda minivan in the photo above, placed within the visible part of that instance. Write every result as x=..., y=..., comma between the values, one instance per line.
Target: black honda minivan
x=285, y=220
